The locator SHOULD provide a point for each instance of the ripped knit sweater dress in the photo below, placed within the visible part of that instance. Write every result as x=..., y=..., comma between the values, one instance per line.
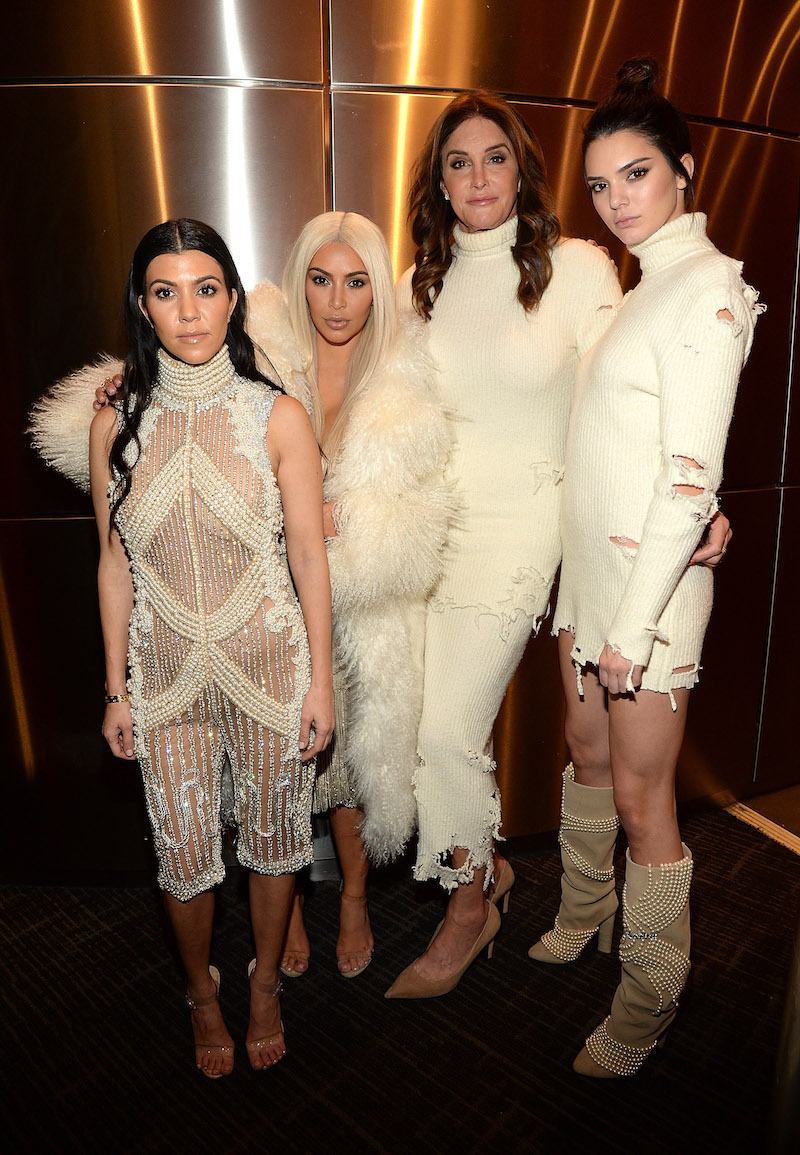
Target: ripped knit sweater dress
x=656, y=389
x=506, y=377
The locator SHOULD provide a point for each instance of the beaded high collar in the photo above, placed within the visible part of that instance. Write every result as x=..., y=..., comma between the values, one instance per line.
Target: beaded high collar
x=179, y=383
x=672, y=242
x=488, y=241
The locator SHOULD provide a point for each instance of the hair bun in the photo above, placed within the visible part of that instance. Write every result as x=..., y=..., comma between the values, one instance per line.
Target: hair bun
x=637, y=74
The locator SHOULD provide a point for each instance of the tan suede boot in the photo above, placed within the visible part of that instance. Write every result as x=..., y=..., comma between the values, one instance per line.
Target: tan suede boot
x=654, y=952
x=587, y=835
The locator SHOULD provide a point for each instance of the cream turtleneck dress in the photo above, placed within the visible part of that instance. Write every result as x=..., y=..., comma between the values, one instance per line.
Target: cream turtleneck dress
x=656, y=389
x=506, y=377
x=218, y=653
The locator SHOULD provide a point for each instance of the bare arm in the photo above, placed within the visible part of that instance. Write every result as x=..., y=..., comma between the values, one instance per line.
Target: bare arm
x=295, y=458
x=115, y=590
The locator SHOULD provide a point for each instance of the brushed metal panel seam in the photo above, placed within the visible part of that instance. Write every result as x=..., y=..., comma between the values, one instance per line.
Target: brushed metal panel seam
x=754, y=127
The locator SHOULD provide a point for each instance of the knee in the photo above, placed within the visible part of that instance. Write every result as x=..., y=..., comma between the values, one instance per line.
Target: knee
x=643, y=812
x=588, y=749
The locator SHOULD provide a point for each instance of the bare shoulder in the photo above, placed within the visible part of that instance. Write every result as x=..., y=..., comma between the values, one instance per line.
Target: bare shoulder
x=103, y=429
x=288, y=414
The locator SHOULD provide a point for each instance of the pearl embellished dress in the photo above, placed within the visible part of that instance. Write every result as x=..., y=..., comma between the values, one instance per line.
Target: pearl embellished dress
x=218, y=655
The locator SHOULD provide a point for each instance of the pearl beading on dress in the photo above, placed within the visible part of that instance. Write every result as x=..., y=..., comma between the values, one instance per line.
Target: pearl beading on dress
x=218, y=653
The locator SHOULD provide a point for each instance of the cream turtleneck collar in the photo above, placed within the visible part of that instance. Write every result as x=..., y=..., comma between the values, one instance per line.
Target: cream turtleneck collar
x=487, y=241
x=180, y=383
x=675, y=240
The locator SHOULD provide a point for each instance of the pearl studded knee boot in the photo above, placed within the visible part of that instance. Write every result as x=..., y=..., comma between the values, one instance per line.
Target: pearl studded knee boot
x=654, y=952
x=587, y=835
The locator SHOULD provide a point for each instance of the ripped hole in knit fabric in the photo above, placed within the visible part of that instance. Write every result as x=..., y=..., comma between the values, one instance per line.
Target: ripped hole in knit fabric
x=726, y=316
x=692, y=484
x=690, y=669
x=626, y=545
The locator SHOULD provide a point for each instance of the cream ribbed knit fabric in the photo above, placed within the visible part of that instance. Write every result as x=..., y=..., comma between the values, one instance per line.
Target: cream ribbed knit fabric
x=507, y=378
x=657, y=387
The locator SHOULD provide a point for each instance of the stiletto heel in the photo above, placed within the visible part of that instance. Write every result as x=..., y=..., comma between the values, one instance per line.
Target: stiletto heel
x=501, y=887
x=605, y=934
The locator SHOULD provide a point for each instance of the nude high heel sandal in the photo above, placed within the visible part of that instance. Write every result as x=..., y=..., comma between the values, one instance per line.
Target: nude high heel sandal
x=587, y=835
x=256, y=1046
x=654, y=952
x=209, y=1048
x=361, y=899
x=409, y=985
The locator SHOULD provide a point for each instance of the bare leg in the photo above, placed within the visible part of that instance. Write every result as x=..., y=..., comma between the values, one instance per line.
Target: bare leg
x=465, y=916
x=355, y=942
x=192, y=923
x=645, y=739
x=296, y=947
x=586, y=725
x=270, y=898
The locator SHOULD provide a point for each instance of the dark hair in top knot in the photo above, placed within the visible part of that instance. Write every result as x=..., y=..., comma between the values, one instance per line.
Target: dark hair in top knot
x=633, y=74
x=635, y=106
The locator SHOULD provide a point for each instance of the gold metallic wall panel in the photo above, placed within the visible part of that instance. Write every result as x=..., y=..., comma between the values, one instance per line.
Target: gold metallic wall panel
x=731, y=59
x=265, y=39
x=778, y=756
x=119, y=159
x=77, y=811
x=740, y=174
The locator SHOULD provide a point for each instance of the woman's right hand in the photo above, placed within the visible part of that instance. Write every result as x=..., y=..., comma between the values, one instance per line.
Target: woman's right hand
x=118, y=730
x=107, y=392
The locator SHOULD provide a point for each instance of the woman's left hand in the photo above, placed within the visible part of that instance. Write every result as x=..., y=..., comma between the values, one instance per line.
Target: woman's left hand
x=316, y=718
x=328, y=524
x=714, y=542
x=613, y=671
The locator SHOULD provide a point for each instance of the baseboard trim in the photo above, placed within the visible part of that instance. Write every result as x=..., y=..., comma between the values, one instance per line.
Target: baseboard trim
x=765, y=825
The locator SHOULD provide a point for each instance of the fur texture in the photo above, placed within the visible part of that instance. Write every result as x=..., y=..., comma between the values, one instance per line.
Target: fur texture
x=60, y=420
x=392, y=517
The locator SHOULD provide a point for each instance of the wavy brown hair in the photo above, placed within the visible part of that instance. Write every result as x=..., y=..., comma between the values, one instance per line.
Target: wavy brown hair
x=433, y=220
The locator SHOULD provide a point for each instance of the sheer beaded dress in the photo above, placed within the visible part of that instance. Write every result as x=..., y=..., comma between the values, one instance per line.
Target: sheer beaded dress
x=219, y=660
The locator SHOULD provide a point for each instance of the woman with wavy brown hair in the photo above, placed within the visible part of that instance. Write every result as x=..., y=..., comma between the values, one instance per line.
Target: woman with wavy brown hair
x=510, y=308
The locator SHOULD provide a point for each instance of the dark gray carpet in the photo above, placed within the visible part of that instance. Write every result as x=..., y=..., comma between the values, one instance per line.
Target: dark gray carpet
x=98, y=1056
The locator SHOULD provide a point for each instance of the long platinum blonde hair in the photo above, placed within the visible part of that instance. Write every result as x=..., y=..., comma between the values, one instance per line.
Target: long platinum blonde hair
x=378, y=334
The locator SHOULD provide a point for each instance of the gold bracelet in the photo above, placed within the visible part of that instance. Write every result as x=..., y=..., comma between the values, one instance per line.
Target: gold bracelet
x=116, y=698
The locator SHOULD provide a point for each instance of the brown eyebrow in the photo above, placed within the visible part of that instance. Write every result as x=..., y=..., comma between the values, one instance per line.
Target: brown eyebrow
x=624, y=168
x=325, y=273
x=463, y=152
x=174, y=284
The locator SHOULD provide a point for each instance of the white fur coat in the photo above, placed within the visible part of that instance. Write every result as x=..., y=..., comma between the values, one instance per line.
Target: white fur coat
x=392, y=517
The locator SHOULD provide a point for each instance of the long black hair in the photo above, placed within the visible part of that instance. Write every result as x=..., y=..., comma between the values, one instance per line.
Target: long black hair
x=635, y=106
x=141, y=364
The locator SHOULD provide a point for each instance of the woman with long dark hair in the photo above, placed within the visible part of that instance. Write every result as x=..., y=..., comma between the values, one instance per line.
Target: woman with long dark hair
x=654, y=399
x=206, y=482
